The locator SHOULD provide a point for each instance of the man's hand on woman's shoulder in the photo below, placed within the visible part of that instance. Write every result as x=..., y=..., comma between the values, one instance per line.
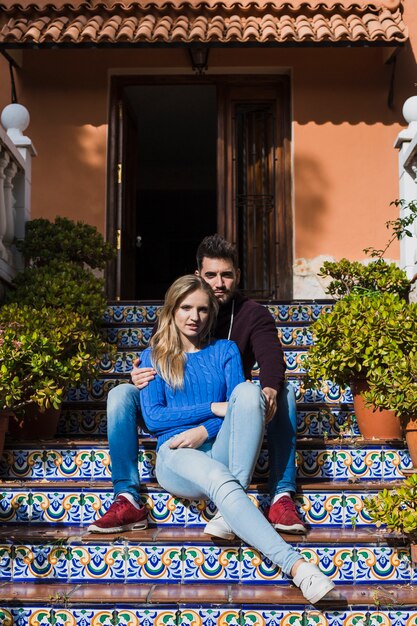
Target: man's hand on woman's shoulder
x=141, y=376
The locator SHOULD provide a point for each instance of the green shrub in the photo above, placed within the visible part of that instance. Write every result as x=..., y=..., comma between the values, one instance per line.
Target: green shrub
x=64, y=240
x=42, y=352
x=396, y=508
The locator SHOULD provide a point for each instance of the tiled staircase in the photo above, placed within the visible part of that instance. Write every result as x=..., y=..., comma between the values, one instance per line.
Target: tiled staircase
x=53, y=573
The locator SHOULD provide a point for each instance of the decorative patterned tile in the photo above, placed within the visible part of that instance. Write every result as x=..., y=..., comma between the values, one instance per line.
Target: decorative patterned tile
x=56, y=506
x=96, y=390
x=382, y=565
x=298, y=312
x=295, y=336
x=211, y=564
x=14, y=506
x=197, y=616
x=101, y=617
x=19, y=463
x=355, y=511
x=122, y=363
x=154, y=563
x=256, y=568
x=97, y=563
x=271, y=617
x=147, y=462
x=95, y=505
x=315, y=464
x=358, y=464
x=131, y=314
x=163, y=508
x=200, y=512
x=5, y=563
x=128, y=337
x=40, y=562
x=146, y=617
x=321, y=508
x=83, y=422
x=336, y=562
x=294, y=360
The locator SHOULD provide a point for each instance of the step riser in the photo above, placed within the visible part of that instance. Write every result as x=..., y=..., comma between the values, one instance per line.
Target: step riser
x=122, y=363
x=97, y=391
x=342, y=509
x=158, y=564
x=180, y=615
x=87, y=463
x=147, y=314
x=138, y=338
x=327, y=423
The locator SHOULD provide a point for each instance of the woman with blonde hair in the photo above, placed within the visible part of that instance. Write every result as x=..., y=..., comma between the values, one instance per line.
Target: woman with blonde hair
x=209, y=436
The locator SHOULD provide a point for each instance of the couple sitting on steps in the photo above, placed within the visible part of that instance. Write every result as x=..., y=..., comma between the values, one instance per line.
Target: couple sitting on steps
x=192, y=394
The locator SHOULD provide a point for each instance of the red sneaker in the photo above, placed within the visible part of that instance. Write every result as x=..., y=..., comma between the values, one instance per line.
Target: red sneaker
x=284, y=516
x=122, y=515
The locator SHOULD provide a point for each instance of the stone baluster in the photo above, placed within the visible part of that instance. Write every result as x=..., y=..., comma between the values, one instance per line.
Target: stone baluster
x=4, y=160
x=15, y=119
x=10, y=173
x=406, y=143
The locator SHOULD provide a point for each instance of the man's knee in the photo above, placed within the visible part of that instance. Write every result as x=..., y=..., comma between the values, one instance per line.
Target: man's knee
x=123, y=397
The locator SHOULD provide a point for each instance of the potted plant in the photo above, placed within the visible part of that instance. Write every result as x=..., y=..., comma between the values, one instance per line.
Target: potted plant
x=365, y=331
x=397, y=510
x=395, y=384
x=42, y=352
x=361, y=337
x=60, y=300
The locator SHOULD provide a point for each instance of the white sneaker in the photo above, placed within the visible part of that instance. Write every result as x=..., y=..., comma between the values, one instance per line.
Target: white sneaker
x=313, y=583
x=217, y=527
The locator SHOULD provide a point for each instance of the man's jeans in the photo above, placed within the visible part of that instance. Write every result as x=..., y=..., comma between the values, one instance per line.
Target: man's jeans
x=124, y=415
x=221, y=470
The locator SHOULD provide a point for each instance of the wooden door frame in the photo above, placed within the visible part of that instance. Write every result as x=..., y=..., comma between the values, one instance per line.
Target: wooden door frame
x=226, y=219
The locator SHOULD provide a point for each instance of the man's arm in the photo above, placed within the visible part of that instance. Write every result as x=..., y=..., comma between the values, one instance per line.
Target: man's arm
x=270, y=357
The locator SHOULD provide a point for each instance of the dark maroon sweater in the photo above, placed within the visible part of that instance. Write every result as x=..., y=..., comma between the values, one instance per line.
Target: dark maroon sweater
x=255, y=333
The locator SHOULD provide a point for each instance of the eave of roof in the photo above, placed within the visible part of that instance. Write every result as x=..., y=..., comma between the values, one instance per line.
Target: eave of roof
x=105, y=22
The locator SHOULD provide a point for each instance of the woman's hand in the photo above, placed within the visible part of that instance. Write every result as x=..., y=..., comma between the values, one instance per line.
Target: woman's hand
x=141, y=376
x=191, y=438
x=219, y=408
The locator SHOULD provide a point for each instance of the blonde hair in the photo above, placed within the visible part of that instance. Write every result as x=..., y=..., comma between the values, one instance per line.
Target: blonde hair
x=168, y=356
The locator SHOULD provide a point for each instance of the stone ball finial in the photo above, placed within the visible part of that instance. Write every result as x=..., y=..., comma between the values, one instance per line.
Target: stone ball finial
x=410, y=110
x=15, y=119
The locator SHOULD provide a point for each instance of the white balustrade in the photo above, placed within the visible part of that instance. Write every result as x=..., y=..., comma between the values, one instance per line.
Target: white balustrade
x=406, y=143
x=16, y=152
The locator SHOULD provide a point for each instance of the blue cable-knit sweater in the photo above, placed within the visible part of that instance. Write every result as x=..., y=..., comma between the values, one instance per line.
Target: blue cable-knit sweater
x=210, y=375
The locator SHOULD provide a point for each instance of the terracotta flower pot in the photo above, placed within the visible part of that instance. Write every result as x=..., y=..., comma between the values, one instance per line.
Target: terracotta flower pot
x=374, y=423
x=34, y=424
x=409, y=423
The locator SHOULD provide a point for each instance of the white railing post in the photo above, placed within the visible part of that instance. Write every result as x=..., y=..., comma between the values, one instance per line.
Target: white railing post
x=16, y=152
x=406, y=143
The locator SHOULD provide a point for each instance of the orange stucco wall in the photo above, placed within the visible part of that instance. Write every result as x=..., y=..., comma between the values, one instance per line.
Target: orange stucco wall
x=345, y=166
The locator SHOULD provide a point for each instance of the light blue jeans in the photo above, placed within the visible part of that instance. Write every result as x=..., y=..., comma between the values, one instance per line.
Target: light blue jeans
x=124, y=415
x=221, y=471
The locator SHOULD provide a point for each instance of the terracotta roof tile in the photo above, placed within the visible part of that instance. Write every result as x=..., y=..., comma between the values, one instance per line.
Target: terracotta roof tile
x=126, y=5
x=378, y=21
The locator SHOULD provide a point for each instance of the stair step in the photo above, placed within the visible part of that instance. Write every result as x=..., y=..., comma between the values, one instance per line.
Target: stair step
x=122, y=362
x=203, y=605
x=76, y=460
x=291, y=335
x=142, y=560
x=282, y=312
x=327, y=421
x=324, y=504
x=96, y=390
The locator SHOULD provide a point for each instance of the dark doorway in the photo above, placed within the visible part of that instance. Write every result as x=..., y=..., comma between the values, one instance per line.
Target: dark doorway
x=174, y=180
